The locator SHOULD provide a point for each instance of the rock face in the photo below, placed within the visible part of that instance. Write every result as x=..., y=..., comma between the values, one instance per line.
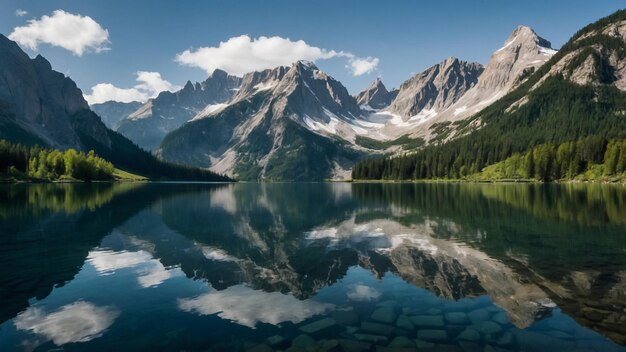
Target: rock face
x=112, y=112
x=599, y=64
x=40, y=105
x=287, y=123
x=436, y=88
x=151, y=122
x=376, y=96
x=523, y=52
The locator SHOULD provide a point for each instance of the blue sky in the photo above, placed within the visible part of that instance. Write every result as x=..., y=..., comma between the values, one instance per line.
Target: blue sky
x=405, y=36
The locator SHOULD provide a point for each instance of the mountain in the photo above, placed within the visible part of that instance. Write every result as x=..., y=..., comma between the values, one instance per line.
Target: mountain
x=454, y=90
x=376, y=96
x=288, y=123
x=436, y=88
x=565, y=113
x=112, y=112
x=521, y=55
x=41, y=106
x=151, y=122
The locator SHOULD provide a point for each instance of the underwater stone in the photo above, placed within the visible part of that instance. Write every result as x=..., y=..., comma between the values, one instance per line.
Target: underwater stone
x=457, y=318
x=303, y=341
x=354, y=346
x=401, y=341
x=375, y=328
x=275, y=340
x=318, y=325
x=370, y=338
x=404, y=322
x=478, y=315
x=385, y=315
x=489, y=327
x=432, y=335
x=346, y=317
x=428, y=321
x=260, y=348
x=469, y=334
x=501, y=318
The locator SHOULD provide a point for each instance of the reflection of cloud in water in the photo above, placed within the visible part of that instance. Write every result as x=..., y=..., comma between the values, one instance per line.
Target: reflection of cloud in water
x=363, y=293
x=151, y=272
x=248, y=307
x=106, y=261
x=224, y=198
x=75, y=322
x=217, y=254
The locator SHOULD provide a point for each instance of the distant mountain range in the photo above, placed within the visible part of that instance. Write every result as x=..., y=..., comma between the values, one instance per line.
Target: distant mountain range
x=297, y=122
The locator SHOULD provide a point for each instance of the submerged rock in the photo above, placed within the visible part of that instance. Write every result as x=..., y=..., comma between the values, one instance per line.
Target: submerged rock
x=432, y=335
x=401, y=341
x=403, y=322
x=469, y=334
x=375, y=328
x=428, y=321
x=489, y=327
x=457, y=318
x=303, y=341
x=385, y=315
x=318, y=326
x=346, y=317
x=370, y=338
x=479, y=315
x=354, y=346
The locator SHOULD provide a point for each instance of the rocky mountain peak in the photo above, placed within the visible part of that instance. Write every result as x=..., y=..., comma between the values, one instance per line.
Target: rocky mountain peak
x=436, y=88
x=376, y=96
x=525, y=34
x=42, y=102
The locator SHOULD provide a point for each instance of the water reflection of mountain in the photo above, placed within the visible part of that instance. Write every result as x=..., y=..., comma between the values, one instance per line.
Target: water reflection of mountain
x=49, y=229
x=455, y=240
x=523, y=245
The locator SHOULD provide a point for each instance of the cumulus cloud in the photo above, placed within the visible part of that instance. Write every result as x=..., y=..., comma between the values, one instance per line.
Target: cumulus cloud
x=76, y=33
x=20, y=13
x=248, y=307
x=240, y=55
x=149, y=86
x=361, y=66
x=76, y=322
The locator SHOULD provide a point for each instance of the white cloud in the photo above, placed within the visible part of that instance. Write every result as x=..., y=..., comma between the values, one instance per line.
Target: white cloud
x=361, y=66
x=20, y=12
x=240, y=55
x=248, y=307
x=76, y=33
x=149, y=86
x=76, y=322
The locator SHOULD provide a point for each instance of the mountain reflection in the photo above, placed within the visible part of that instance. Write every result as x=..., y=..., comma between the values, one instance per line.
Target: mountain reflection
x=266, y=251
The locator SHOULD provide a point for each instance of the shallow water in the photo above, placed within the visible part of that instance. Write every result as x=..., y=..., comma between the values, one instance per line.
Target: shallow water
x=333, y=267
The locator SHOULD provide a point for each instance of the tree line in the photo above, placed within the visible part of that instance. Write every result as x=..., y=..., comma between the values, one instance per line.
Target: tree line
x=594, y=155
x=52, y=164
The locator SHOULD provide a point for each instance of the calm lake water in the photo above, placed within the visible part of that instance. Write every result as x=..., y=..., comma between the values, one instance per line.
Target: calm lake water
x=329, y=267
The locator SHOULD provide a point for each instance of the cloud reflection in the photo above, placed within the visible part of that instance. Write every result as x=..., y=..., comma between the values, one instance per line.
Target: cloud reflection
x=76, y=322
x=150, y=271
x=248, y=307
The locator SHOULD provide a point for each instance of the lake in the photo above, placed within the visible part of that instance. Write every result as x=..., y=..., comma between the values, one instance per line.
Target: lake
x=312, y=266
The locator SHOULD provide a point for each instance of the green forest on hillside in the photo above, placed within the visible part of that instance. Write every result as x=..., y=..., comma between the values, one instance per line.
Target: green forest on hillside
x=50, y=164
